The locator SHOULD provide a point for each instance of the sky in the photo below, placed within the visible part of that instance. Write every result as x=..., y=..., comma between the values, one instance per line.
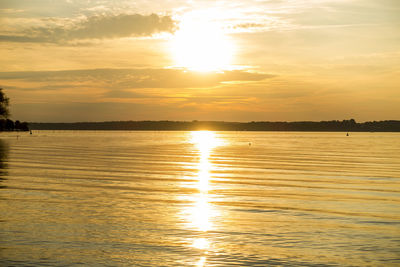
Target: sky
x=247, y=60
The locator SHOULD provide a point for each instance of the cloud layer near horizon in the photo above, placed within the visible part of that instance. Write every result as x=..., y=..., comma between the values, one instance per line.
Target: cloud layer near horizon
x=132, y=78
x=47, y=94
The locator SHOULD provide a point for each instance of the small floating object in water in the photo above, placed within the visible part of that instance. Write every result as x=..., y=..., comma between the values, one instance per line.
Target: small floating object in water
x=249, y=143
x=347, y=134
x=30, y=131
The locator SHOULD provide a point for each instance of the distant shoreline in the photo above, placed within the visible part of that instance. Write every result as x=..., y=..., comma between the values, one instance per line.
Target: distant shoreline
x=321, y=126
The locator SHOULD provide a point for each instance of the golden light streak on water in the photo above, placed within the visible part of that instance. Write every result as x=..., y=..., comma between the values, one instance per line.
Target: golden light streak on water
x=201, y=262
x=201, y=243
x=202, y=212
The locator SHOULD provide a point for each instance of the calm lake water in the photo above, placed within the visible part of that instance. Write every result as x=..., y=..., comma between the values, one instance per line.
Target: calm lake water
x=199, y=199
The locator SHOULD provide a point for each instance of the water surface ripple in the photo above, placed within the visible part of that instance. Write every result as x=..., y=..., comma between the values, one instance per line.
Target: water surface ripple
x=83, y=198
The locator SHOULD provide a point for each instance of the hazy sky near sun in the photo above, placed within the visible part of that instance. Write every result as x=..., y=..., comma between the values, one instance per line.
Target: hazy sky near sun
x=97, y=60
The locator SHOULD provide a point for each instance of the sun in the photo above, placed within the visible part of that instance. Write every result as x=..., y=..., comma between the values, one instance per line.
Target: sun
x=200, y=44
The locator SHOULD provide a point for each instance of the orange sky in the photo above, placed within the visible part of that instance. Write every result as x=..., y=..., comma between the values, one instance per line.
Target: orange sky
x=232, y=60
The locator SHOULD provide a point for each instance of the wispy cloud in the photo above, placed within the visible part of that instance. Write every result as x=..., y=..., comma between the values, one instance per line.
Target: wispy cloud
x=134, y=78
x=96, y=27
x=10, y=10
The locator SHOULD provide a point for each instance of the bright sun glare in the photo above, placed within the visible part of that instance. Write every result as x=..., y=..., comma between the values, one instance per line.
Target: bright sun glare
x=200, y=44
x=205, y=142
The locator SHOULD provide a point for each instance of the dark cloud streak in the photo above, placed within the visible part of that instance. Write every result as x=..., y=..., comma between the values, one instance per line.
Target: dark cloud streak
x=96, y=27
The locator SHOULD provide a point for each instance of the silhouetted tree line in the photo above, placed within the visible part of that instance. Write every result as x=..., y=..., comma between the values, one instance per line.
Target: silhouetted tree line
x=328, y=126
x=5, y=123
x=9, y=125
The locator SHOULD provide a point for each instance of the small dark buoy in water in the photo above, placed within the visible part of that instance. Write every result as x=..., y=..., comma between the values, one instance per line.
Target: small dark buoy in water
x=30, y=131
x=347, y=134
x=249, y=143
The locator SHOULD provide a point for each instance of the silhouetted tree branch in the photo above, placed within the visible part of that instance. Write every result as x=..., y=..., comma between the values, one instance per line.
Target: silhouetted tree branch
x=4, y=104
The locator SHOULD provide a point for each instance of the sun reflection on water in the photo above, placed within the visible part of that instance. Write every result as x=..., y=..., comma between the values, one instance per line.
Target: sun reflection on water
x=201, y=213
x=201, y=262
x=205, y=141
x=201, y=243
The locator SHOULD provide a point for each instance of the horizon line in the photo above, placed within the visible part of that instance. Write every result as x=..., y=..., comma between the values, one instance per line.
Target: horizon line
x=220, y=121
